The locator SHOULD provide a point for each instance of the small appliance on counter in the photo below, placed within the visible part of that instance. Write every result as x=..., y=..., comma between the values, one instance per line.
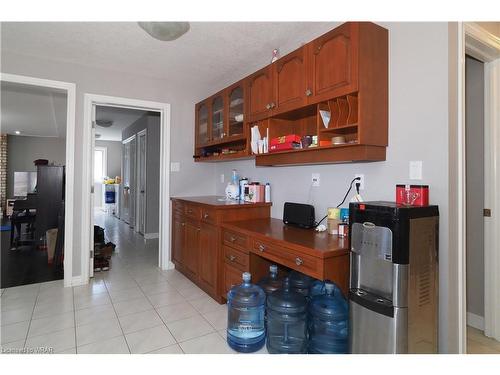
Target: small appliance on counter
x=412, y=195
x=393, y=295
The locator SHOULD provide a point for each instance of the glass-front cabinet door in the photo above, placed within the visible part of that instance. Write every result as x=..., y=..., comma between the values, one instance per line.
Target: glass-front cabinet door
x=217, y=118
x=236, y=110
x=202, y=127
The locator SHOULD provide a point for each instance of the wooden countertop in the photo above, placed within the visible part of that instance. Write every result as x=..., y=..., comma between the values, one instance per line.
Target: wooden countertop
x=317, y=244
x=219, y=202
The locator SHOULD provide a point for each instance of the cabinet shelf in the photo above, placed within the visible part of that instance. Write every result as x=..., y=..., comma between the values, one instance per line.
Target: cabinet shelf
x=224, y=157
x=224, y=141
x=341, y=129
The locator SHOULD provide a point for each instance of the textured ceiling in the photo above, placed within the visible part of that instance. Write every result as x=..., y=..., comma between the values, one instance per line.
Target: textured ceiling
x=34, y=111
x=211, y=54
x=121, y=118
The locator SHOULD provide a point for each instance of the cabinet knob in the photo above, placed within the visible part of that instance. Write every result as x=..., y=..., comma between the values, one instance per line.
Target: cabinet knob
x=205, y=216
x=232, y=258
x=308, y=92
x=190, y=211
x=198, y=229
x=232, y=239
x=273, y=105
x=183, y=224
x=262, y=248
x=268, y=106
x=298, y=261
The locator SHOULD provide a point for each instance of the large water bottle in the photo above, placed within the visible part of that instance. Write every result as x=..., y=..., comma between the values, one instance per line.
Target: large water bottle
x=328, y=322
x=300, y=283
x=286, y=321
x=272, y=282
x=245, y=319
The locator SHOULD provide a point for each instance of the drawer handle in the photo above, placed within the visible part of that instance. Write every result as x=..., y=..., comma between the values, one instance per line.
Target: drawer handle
x=198, y=229
x=262, y=248
x=183, y=224
x=232, y=258
x=190, y=211
x=232, y=239
x=268, y=106
x=308, y=92
x=205, y=216
x=298, y=261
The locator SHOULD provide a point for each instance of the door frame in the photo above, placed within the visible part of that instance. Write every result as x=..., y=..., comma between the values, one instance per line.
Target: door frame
x=164, y=201
x=144, y=133
x=104, y=150
x=70, y=89
x=129, y=140
x=473, y=40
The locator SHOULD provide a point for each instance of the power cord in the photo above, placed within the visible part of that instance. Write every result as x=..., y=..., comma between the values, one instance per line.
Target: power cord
x=358, y=184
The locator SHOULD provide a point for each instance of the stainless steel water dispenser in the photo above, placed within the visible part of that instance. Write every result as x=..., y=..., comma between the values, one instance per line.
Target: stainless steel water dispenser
x=393, y=295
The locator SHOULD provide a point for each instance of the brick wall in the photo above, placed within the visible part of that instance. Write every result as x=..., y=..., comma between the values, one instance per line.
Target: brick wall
x=3, y=171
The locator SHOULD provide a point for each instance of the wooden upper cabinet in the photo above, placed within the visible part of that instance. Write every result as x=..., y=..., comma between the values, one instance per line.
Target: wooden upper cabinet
x=217, y=117
x=260, y=98
x=290, y=81
x=333, y=67
x=202, y=128
x=236, y=99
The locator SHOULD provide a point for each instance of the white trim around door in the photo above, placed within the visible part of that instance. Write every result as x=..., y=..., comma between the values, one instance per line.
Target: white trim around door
x=164, y=203
x=70, y=89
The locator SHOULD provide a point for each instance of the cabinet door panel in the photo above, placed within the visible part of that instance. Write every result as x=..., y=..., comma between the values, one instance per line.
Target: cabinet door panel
x=334, y=63
x=208, y=257
x=178, y=238
x=290, y=81
x=260, y=94
x=202, y=128
x=191, y=249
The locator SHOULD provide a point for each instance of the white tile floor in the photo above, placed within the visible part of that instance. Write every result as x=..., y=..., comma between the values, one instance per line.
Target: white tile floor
x=132, y=308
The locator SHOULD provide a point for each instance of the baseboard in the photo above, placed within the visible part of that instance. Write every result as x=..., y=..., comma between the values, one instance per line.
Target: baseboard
x=78, y=280
x=475, y=321
x=150, y=236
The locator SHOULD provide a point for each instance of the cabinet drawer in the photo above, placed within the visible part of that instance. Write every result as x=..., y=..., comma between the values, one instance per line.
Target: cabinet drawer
x=297, y=261
x=234, y=239
x=232, y=277
x=177, y=206
x=193, y=211
x=236, y=258
x=209, y=215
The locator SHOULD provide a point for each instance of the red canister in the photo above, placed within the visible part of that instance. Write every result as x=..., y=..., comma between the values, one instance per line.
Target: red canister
x=412, y=195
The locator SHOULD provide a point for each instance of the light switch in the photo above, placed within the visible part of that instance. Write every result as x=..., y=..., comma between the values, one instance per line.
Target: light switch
x=416, y=170
x=175, y=166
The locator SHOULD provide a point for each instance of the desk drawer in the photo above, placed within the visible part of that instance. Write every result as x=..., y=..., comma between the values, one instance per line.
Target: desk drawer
x=193, y=211
x=209, y=215
x=234, y=239
x=287, y=257
x=236, y=258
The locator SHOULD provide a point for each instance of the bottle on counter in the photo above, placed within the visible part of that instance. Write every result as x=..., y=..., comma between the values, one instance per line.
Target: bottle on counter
x=243, y=183
x=268, y=193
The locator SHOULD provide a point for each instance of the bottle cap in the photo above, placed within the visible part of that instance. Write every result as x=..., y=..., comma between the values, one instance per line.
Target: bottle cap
x=329, y=287
x=273, y=268
x=246, y=277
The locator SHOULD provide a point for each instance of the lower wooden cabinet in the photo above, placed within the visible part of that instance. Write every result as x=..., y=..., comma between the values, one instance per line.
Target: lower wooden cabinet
x=197, y=240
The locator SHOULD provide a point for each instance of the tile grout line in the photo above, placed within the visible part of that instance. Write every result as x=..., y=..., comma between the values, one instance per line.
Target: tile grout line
x=31, y=319
x=118, y=319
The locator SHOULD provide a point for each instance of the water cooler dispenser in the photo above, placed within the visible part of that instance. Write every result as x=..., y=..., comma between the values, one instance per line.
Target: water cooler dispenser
x=393, y=295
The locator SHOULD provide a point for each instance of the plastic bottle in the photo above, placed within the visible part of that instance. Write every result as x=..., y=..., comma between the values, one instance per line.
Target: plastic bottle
x=268, y=193
x=272, y=282
x=245, y=319
x=286, y=321
x=328, y=322
x=300, y=283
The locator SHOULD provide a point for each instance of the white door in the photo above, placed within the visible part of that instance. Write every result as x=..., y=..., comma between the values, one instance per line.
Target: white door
x=92, y=194
x=141, y=182
x=129, y=186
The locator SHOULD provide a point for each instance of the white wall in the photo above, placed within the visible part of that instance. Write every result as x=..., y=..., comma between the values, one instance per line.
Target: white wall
x=193, y=179
x=418, y=130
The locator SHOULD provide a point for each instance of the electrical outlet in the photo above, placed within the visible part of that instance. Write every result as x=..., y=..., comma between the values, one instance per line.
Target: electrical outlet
x=361, y=182
x=175, y=166
x=315, y=179
x=222, y=178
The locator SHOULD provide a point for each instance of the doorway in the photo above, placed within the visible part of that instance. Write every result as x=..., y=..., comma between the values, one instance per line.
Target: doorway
x=37, y=168
x=129, y=199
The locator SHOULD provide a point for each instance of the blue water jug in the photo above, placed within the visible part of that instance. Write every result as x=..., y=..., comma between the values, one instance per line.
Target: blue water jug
x=245, y=319
x=328, y=321
x=300, y=283
x=286, y=321
x=318, y=288
x=272, y=282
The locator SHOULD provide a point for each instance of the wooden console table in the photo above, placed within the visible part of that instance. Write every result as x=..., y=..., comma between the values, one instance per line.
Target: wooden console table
x=252, y=245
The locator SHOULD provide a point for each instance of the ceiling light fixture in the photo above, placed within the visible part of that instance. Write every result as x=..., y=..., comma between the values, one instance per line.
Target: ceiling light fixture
x=97, y=135
x=165, y=31
x=104, y=123
x=17, y=132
